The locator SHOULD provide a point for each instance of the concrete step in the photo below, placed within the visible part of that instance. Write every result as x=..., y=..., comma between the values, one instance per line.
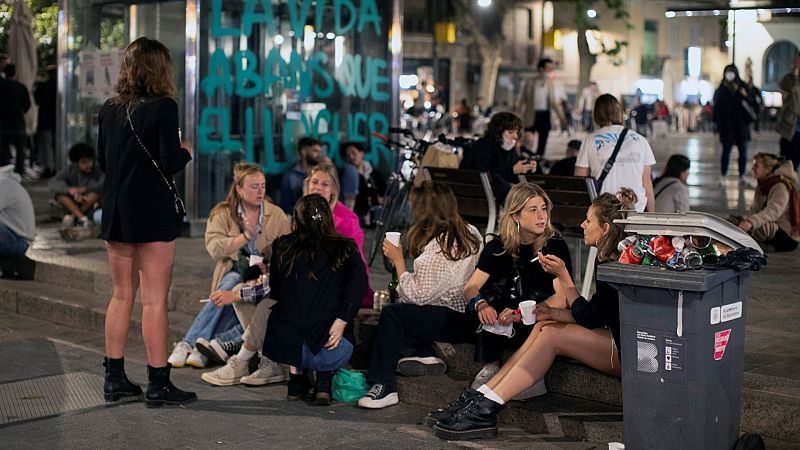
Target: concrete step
x=75, y=308
x=553, y=414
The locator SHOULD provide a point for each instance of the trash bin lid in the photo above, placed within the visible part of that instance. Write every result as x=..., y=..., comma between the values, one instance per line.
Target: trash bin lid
x=689, y=223
x=688, y=280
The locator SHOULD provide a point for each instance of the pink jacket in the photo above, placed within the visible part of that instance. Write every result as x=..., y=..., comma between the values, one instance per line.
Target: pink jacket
x=346, y=223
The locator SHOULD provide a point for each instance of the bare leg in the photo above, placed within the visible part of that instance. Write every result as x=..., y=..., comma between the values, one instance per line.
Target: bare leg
x=69, y=204
x=517, y=355
x=155, y=271
x=124, y=264
x=594, y=348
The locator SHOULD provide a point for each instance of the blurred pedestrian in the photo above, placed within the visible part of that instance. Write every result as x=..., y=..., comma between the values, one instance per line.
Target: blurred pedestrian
x=44, y=93
x=537, y=101
x=16, y=102
x=733, y=112
x=789, y=117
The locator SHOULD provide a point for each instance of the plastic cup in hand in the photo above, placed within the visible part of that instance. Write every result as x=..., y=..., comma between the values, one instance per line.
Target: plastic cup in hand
x=528, y=311
x=393, y=237
x=256, y=259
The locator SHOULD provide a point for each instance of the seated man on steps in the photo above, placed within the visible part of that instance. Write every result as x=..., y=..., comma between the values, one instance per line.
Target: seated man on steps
x=77, y=187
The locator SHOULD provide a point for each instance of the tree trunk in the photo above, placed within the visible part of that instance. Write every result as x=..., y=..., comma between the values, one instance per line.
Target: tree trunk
x=587, y=59
x=490, y=66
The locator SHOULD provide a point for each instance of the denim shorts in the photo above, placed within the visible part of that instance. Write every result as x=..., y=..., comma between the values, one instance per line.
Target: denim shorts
x=328, y=360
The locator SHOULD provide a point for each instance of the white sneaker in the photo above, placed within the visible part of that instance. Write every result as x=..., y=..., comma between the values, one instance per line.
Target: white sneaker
x=197, y=359
x=85, y=222
x=268, y=372
x=179, y=354
x=68, y=221
x=486, y=374
x=378, y=397
x=419, y=367
x=229, y=374
x=533, y=390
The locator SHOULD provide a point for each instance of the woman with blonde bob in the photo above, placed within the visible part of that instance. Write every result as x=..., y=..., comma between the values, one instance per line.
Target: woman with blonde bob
x=507, y=273
x=139, y=150
x=587, y=331
x=431, y=299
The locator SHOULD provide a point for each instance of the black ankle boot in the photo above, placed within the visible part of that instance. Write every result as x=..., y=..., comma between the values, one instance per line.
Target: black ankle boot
x=161, y=391
x=322, y=389
x=453, y=407
x=117, y=384
x=298, y=386
x=477, y=420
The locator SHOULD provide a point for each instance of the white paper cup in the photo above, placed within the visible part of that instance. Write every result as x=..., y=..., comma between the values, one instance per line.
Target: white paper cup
x=616, y=446
x=256, y=259
x=393, y=237
x=528, y=311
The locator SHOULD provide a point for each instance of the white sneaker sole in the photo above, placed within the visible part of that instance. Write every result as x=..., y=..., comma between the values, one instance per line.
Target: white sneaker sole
x=419, y=367
x=209, y=378
x=389, y=400
x=249, y=381
x=196, y=364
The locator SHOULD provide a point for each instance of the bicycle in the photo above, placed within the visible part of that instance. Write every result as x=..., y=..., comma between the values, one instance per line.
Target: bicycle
x=396, y=214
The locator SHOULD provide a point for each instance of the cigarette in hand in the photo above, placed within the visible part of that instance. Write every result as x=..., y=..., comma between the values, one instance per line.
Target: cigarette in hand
x=205, y=300
x=535, y=259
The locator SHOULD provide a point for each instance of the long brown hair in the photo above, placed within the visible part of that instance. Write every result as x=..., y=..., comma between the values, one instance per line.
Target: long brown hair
x=314, y=233
x=145, y=72
x=230, y=205
x=517, y=197
x=435, y=211
x=608, y=208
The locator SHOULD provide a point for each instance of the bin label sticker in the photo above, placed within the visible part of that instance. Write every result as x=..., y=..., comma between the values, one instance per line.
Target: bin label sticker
x=674, y=350
x=731, y=312
x=646, y=352
x=715, y=315
x=720, y=343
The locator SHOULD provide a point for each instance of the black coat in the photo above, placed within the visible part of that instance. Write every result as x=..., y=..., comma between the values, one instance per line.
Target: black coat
x=486, y=155
x=45, y=93
x=16, y=102
x=138, y=206
x=306, y=308
x=730, y=117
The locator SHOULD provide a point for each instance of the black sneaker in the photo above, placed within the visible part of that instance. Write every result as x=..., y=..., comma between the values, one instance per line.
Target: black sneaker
x=453, y=407
x=216, y=351
x=379, y=396
x=477, y=420
x=298, y=386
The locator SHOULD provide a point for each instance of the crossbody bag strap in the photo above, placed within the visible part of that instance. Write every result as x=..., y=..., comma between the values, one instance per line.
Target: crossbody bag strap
x=612, y=159
x=171, y=186
x=665, y=187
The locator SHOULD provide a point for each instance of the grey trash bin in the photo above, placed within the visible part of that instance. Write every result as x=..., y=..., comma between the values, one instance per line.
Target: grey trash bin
x=682, y=343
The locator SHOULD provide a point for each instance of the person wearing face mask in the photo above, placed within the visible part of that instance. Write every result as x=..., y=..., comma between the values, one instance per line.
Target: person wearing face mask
x=494, y=153
x=734, y=109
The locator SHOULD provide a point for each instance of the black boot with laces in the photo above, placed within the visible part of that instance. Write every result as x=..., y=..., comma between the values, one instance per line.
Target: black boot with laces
x=477, y=420
x=453, y=407
x=161, y=391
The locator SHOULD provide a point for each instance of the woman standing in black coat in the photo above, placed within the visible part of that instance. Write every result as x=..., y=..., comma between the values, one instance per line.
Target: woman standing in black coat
x=139, y=150
x=733, y=112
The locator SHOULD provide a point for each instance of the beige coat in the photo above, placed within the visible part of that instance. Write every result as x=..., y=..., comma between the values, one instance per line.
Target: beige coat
x=774, y=207
x=787, y=117
x=221, y=231
x=525, y=102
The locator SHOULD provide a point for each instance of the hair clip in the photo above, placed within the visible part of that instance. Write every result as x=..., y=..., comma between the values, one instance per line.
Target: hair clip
x=316, y=216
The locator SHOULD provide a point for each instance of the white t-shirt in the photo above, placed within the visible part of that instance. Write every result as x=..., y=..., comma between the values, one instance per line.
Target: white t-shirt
x=627, y=171
x=540, y=100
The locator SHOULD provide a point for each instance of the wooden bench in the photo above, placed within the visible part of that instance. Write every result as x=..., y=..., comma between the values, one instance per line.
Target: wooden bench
x=571, y=197
x=473, y=191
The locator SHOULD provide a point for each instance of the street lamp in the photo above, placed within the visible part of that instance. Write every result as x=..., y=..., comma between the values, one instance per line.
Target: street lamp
x=484, y=3
x=591, y=13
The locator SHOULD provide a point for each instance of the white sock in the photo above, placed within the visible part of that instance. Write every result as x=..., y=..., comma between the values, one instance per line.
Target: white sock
x=245, y=354
x=484, y=389
x=494, y=397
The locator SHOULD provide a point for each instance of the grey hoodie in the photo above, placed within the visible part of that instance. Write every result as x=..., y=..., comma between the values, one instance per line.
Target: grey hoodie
x=16, y=207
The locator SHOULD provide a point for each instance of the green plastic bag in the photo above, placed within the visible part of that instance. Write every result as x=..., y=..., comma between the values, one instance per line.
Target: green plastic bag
x=349, y=386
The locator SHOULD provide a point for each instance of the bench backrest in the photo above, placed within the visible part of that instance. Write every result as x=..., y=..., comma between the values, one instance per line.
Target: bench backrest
x=473, y=191
x=571, y=197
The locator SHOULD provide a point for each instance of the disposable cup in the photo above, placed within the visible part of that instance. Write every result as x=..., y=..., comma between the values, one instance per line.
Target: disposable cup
x=528, y=311
x=393, y=237
x=256, y=259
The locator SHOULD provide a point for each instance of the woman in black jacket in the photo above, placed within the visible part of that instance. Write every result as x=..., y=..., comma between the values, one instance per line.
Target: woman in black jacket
x=139, y=150
x=495, y=153
x=734, y=109
x=587, y=331
x=318, y=280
